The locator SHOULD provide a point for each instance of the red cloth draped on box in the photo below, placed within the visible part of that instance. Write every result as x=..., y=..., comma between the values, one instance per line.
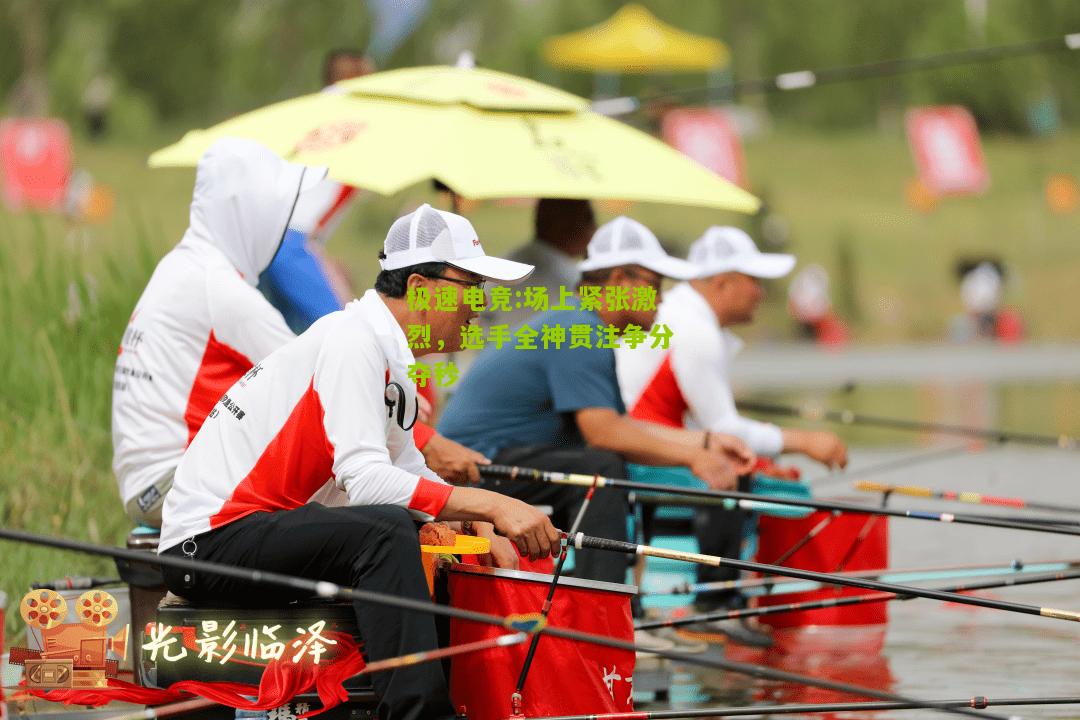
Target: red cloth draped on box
x=566, y=677
x=281, y=681
x=842, y=541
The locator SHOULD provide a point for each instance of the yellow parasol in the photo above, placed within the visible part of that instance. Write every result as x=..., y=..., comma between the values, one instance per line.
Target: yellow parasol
x=634, y=40
x=485, y=134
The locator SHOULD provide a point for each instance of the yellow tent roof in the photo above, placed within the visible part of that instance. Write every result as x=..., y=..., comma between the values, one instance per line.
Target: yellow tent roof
x=634, y=40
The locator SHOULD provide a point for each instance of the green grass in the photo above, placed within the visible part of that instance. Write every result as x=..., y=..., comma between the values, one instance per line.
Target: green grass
x=66, y=293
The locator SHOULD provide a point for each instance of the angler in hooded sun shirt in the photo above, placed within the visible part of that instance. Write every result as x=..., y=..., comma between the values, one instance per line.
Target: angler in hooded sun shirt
x=336, y=403
x=200, y=324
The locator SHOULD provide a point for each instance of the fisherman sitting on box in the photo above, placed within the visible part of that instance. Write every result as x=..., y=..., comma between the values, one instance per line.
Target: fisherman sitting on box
x=337, y=403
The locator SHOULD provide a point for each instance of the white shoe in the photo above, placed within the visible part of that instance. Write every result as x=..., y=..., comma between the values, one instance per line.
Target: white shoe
x=648, y=643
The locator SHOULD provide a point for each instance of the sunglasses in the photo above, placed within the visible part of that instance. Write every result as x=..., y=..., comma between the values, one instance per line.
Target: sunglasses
x=479, y=284
x=651, y=279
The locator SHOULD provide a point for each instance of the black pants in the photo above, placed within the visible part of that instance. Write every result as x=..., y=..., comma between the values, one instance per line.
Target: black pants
x=719, y=532
x=373, y=548
x=607, y=513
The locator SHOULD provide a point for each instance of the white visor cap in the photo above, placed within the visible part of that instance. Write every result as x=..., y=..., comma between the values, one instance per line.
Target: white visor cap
x=729, y=249
x=623, y=241
x=428, y=235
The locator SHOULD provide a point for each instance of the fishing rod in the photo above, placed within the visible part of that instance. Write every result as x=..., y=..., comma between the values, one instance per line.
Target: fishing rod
x=1033, y=519
x=963, y=496
x=848, y=417
x=864, y=532
x=978, y=702
x=587, y=541
x=841, y=601
x=904, y=462
x=516, y=701
x=771, y=586
x=497, y=472
x=806, y=539
x=76, y=582
x=802, y=79
x=518, y=623
x=660, y=496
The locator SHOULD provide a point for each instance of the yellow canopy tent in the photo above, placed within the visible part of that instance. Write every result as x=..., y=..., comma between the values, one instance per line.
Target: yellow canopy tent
x=485, y=134
x=634, y=40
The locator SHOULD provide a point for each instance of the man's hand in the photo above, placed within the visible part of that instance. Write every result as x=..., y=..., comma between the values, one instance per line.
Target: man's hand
x=502, y=555
x=528, y=528
x=424, y=411
x=825, y=447
x=453, y=462
x=738, y=452
x=715, y=469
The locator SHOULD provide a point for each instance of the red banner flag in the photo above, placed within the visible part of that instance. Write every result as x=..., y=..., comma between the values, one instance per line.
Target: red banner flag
x=707, y=136
x=35, y=162
x=948, y=154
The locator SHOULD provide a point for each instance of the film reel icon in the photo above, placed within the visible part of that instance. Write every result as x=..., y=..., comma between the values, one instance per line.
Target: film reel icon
x=43, y=609
x=96, y=608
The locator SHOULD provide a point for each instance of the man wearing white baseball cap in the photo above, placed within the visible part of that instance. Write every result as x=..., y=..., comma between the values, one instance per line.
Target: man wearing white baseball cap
x=690, y=386
x=558, y=407
x=337, y=404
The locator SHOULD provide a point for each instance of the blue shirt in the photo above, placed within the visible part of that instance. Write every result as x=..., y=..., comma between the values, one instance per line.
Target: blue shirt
x=512, y=397
x=296, y=285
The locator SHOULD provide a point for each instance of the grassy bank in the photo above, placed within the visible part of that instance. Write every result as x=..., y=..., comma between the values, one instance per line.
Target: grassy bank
x=66, y=293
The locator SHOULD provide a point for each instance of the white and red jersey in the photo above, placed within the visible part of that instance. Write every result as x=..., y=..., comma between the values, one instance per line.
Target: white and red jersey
x=320, y=211
x=688, y=385
x=313, y=410
x=200, y=323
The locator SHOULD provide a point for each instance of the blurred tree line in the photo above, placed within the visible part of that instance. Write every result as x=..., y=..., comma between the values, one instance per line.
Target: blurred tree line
x=173, y=64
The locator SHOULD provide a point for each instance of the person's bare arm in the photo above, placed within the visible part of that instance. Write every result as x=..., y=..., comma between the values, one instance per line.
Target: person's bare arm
x=607, y=429
x=452, y=461
x=825, y=447
x=737, y=451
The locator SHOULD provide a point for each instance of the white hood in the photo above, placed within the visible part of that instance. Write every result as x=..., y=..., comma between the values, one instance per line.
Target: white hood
x=243, y=199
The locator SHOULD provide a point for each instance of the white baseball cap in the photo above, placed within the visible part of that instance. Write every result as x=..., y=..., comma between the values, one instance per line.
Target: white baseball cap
x=729, y=249
x=429, y=235
x=623, y=241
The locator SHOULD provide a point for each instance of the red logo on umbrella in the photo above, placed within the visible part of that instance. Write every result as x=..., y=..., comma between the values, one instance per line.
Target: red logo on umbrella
x=330, y=136
x=503, y=88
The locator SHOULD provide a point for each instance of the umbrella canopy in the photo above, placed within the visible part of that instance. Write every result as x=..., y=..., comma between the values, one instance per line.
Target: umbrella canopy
x=484, y=134
x=634, y=40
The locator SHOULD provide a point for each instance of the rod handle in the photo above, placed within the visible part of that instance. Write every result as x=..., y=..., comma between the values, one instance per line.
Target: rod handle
x=581, y=540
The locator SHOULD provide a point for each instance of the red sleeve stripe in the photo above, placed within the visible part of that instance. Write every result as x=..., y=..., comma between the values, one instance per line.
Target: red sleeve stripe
x=422, y=432
x=430, y=497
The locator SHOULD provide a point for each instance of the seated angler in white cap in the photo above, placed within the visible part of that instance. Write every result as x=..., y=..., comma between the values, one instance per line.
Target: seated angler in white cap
x=316, y=410
x=689, y=385
x=557, y=407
